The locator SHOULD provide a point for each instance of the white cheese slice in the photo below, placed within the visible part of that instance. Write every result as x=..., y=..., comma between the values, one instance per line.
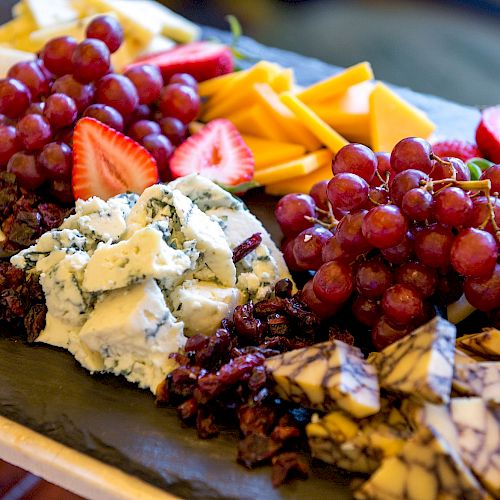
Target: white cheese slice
x=9, y=57
x=51, y=12
x=158, y=43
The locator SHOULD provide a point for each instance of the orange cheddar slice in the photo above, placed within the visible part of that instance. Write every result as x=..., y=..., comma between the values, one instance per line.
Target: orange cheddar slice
x=268, y=153
x=300, y=166
x=301, y=184
x=336, y=84
x=266, y=97
x=210, y=87
x=256, y=121
x=392, y=118
x=283, y=81
x=327, y=136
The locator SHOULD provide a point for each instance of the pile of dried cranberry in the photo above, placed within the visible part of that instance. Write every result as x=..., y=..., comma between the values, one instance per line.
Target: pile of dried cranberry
x=221, y=381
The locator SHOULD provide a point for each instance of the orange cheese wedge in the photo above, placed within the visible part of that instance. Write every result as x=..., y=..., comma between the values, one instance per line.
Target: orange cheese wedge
x=283, y=81
x=327, y=136
x=392, y=119
x=210, y=87
x=300, y=166
x=301, y=184
x=336, y=84
x=268, y=153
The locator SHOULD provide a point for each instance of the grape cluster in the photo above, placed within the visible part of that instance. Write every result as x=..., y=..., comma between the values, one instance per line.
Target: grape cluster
x=393, y=235
x=41, y=100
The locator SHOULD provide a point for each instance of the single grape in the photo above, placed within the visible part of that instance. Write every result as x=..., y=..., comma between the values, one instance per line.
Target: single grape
x=366, y=311
x=57, y=55
x=417, y=204
x=90, y=60
x=403, y=182
x=433, y=245
x=9, y=143
x=35, y=108
x=34, y=132
x=141, y=112
x=484, y=293
x=26, y=169
x=377, y=196
x=319, y=194
x=60, y=110
x=384, y=170
x=108, y=30
x=174, y=129
x=474, y=253
x=62, y=191
x=347, y=191
x=291, y=212
x=105, y=114
x=287, y=251
x=333, y=282
x=31, y=74
x=118, y=92
x=450, y=168
x=355, y=159
x=400, y=253
x=308, y=247
x=350, y=234
x=412, y=153
x=147, y=80
x=82, y=94
x=384, y=333
x=402, y=304
x=56, y=161
x=180, y=101
x=373, y=278
x=449, y=288
x=452, y=206
x=184, y=79
x=480, y=212
x=384, y=226
x=322, y=309
x=161, y=150
x=15, y=97
x=423, y=278
x=142, y=128
x=332, y=250
x=493, y=174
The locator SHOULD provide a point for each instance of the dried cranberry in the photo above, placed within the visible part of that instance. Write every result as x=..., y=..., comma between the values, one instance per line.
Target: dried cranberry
x=247, y=246
x=287, y=465
x=256, y=448
x=183, y=380
x=283, y=433
x=34, y=322
x=188, y=409
x=269, y=306
x=278, y=325
x=258, y=379
x=257, y=419
x=52, y=215
x=247, y=326
x=335, y=332
x=26, y=227
x=283, y=288
x=205, y=424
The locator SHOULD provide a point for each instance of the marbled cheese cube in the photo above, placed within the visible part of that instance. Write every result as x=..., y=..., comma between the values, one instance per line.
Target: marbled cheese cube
x=478, y=379
x=486, y=343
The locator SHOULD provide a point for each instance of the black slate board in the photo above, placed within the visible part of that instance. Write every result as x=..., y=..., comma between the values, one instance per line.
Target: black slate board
x=46, y=390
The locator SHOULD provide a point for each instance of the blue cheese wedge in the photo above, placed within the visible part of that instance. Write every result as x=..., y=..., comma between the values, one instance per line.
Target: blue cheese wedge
x=478, y=379
x=327, y=376
x=419, y=365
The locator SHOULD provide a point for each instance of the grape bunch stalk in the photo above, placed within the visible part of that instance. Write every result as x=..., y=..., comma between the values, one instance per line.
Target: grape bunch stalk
x=392, y=236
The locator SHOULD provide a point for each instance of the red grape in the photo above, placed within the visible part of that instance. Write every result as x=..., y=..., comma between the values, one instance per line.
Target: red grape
x=184, y=79
x=373, y=278
x=26, y=169
x=174, y=129
x=30, y=73
x=402, y=304
x=118, y=92
x=433, y=245
x=350, y=234
x=180, y=101
x=34, y=132
x=310, y=299
x=384, y=226
x=449, y=288
x=452, y=206
x=355, y=159
x=56, y=161
x=57, y=55
x=417, y=204
x=106, y=115
x=108, y=30
x=142, y=128
x=384, y=169
x=347, y=191
x=147, y=80
x=319, y=194
x=141, y=112
x=308, y=247
x=484, y=293
x=474, y=253
x=9, y=143
x=62, y=190
x=480, y=212
x=15, y=97
x=377, y=196
x=287, y=250
x=291, y=212
x=401, y=252
x=412, y=153
x=161, y=150
x=35, y=108
x=403, y=182
x=60, y=110
x=493, y=174
x=423, y=278
x=384, y=333
x=366, y=311
x=333, y=282
x=450, y=168
x=334, y=251
x=82, y=94
x=90, y=60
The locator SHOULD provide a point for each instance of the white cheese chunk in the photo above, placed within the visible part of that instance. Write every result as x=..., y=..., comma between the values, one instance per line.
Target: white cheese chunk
x=203, y=305
x=145, y=255
x=135, y=332
x=51, y=12
x=9, y=57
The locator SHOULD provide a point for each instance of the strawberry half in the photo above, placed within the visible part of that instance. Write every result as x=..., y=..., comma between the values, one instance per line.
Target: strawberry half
x=107, y=163
x=456, y=148
x=218, y=152
x=202, y=60
x=488, y=134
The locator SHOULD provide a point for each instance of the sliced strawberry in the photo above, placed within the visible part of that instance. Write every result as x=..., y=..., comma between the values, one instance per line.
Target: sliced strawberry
x=107, y=163
x=202, y=60
x=218, y=152
x=488, y=133
x=456, y=148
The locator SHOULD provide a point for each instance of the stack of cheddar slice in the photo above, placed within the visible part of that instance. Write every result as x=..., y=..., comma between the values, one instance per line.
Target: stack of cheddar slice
x=294, y=132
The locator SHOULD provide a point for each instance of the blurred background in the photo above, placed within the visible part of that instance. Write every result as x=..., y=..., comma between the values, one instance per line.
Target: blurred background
x=449, y=48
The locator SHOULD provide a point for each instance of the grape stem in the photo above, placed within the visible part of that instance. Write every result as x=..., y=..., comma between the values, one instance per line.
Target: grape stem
x=333, y=222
